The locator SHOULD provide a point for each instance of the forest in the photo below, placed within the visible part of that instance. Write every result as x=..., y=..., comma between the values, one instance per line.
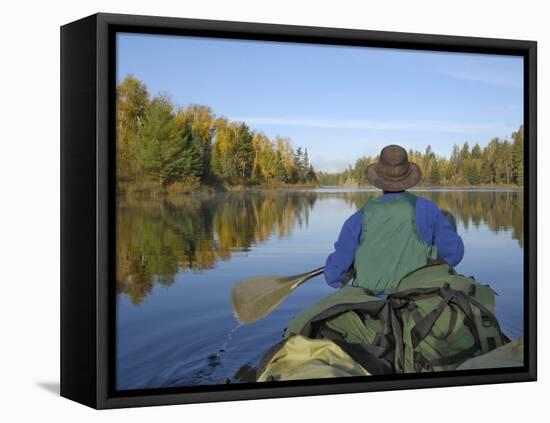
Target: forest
x=164, y=148
x=500, y=162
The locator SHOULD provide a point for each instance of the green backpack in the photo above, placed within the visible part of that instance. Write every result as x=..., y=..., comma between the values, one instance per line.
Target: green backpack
x=436, y=320
x=446, y=318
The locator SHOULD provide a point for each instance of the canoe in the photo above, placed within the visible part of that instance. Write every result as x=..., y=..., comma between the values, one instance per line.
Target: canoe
x=301, y=358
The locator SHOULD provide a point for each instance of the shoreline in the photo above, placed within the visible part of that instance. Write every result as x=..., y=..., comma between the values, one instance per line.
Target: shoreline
x=306, y=187
x=435, y=188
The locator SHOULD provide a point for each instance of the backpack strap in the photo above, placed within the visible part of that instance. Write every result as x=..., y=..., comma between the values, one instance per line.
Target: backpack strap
x=371, y=357
x=394, y=332
x=412, y=308
x=455, y=358
x=423, y=327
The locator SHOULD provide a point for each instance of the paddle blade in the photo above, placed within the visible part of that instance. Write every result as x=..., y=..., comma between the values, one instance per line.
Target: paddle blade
x=256, y=297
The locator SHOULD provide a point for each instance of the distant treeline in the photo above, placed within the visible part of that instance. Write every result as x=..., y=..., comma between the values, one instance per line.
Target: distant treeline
x=499, y=162
x=161, y=147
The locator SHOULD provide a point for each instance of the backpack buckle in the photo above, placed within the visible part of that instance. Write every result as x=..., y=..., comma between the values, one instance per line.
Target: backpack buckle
x=421, y=363
x=486, y=321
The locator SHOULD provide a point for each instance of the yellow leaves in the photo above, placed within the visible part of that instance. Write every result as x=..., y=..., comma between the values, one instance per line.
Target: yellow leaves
x=156, y=238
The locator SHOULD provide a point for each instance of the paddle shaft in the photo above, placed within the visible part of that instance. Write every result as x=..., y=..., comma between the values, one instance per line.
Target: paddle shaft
x=308, y=276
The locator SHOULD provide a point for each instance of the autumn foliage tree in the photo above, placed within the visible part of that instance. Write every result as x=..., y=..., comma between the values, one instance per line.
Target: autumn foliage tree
x=132, y=101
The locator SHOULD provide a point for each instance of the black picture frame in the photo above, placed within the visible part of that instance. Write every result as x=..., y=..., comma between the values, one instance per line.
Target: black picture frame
x=87, y=208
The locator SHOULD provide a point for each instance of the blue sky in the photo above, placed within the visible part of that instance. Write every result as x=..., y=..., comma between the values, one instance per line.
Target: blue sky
x=338, y=102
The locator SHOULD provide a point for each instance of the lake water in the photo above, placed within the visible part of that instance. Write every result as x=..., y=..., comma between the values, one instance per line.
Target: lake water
x=179, y=257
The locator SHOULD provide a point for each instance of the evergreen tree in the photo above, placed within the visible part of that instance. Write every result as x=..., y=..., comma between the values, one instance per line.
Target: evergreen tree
x=280, y=169
x=455, y=165
x=424, y=161
x=504, y=163
x=298, y=165
x=465, y=152
x=435, y=176
x=476, y=151
x=244, y=152
x=311, y=176
x=517, y=157
x=166, y=151
x=472, y=174
x=201, y=120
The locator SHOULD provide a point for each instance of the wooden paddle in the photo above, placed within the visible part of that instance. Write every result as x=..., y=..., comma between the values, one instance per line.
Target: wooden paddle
x=256, y=297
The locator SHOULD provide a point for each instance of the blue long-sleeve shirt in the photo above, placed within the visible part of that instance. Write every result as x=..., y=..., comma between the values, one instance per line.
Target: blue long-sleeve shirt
x=432, y=227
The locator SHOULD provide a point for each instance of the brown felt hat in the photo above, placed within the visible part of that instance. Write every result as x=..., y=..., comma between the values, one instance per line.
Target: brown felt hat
x=393, y=172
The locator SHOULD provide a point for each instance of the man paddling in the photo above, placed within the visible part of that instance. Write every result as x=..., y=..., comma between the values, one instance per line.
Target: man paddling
x=393, y=234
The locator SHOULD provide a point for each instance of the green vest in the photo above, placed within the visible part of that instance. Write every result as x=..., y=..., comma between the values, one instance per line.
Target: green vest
x=390, y=246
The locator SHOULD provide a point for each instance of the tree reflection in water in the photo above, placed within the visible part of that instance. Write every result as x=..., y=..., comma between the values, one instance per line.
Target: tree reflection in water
x=157, y=238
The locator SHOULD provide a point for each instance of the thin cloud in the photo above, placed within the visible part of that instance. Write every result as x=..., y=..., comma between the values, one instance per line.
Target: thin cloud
x=493, y=78
x=379, y=125
x=330, y=165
